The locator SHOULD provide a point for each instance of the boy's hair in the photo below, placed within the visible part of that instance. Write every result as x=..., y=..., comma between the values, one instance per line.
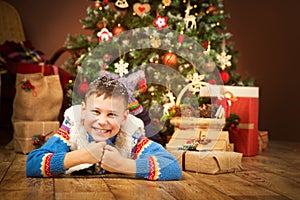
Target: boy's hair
x=109, y=88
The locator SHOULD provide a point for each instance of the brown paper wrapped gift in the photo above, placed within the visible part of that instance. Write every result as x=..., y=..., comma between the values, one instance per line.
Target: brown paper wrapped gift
x=211, y=140
x=201, y=123
x=210, y=162
x=25, y=130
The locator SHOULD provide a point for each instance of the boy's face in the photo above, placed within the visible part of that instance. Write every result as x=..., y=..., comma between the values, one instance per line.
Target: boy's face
x=103, y=117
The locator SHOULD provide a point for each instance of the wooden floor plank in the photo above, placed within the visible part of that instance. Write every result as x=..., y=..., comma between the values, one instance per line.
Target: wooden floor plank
x=81, y=188
x=136, y=189
x=284, y=186
x=15, y=183
x=235, y=187
x=274, y=165
x=190, y=188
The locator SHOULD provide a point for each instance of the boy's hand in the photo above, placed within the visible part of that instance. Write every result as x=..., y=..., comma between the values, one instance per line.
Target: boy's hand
x=95, y=152
x=113, y=161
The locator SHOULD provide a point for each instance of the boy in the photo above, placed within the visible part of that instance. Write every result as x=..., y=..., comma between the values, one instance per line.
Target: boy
x=100, y=136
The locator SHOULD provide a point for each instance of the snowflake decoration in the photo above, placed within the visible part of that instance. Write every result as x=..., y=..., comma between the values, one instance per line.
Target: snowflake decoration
x=196, y=82
x=224, y=60
x=121, y=68
x=160, y=22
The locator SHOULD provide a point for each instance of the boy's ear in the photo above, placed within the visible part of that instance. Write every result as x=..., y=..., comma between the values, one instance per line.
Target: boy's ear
x=83, y=109
x=125, y=115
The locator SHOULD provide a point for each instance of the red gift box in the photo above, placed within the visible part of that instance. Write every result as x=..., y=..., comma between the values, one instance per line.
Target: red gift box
x=246, y=107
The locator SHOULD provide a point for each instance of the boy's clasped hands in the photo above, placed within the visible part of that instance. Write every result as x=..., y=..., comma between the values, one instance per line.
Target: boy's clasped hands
x=109, y=158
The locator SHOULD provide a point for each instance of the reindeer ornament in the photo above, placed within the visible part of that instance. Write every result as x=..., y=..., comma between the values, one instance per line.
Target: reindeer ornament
x=189, y=19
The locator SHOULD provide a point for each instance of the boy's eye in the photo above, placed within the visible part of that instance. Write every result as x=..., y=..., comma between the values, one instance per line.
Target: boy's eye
x=95, y=112
x=112, y=114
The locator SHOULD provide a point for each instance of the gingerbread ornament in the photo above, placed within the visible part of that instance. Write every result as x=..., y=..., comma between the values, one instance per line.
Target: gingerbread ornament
x=141, y=9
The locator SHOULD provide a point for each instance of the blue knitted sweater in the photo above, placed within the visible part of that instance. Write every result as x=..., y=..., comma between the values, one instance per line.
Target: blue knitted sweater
x=153, y=162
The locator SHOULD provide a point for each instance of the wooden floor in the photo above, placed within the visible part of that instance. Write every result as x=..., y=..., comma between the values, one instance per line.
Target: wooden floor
x=274, y=174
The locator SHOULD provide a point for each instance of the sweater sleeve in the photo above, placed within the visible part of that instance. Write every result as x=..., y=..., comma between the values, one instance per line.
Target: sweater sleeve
x=154, y=162
x=48, y=160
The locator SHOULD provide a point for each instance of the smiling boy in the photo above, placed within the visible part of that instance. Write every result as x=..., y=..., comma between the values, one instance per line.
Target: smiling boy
x=99, y=137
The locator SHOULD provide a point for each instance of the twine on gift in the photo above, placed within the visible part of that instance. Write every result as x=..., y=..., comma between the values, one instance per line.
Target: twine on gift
x=183, y=161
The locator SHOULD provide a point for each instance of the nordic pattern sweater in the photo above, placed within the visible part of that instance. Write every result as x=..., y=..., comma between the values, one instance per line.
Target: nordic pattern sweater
x=153, y=162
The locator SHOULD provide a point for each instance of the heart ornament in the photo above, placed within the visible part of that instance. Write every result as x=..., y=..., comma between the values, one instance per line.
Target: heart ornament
x=140, y=9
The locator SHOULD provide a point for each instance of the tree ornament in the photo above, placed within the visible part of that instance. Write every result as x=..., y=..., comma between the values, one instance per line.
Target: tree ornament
x=169, y=59
x=118, y=29
x=212, y=81
x=141, y=9
x=209, y=66
x=160, y=22
x=223, y=58
x=101, y=25
x=142, y=85
x=107, y=57
x=212, y=9
x=97, y=4
x=114, y=8
x=196, y=82
x=121, y=4
x=189, y=19
x=155, y=42
x=121, y=68
x=82, y=88
x=205, y=44
x=207, y=51
x=104, y=35
x=181, y=37
x=167, y=2
x=224, y=76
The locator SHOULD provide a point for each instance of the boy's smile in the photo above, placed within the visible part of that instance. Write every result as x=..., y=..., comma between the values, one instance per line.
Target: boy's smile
x=103, y=117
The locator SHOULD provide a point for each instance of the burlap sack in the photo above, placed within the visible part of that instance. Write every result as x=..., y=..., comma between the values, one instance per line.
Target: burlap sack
x=43, y=103
x=24, y=132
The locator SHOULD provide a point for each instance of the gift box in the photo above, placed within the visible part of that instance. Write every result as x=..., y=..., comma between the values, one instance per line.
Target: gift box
x=206, y=140
x=210, y=162
x=25, y=133
x=263, y=140
x=246, y=107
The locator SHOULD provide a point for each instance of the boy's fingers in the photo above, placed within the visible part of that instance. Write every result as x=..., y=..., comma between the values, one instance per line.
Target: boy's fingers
x=109, y=148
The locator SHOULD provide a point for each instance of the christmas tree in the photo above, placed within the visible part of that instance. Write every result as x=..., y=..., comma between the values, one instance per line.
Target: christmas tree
x=174, y=42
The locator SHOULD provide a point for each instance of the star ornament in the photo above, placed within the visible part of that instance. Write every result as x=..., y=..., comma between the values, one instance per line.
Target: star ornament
x=160, y=22
x=121, y=68
x=224, y=60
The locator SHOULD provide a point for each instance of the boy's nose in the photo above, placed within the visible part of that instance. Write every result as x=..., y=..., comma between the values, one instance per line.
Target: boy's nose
x=101, y=119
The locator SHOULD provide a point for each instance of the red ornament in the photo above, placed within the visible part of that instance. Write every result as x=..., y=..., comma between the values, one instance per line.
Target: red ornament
x=212, y=81
x=205, y=44
x=169, y=59
x=224, y=76
x=212, y=9
x=142, y=85
x=181, y=38
x=82, y=88
x=117, y=30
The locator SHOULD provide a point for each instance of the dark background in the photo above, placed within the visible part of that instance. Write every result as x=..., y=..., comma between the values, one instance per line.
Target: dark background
x=266, y=33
